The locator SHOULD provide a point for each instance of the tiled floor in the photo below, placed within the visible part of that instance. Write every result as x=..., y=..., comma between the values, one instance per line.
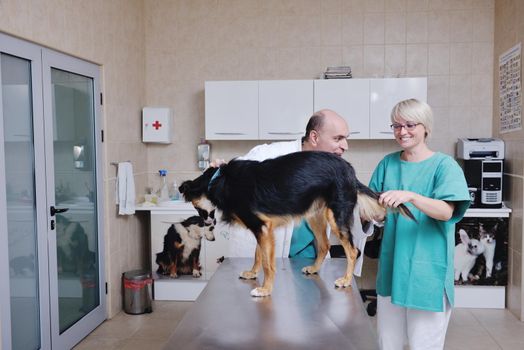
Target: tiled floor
x=469, y=329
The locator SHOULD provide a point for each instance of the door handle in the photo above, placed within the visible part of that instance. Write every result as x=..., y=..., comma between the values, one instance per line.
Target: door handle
x=54, y=210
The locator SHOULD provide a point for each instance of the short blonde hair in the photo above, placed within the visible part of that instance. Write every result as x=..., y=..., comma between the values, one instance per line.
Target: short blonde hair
x=415, y=111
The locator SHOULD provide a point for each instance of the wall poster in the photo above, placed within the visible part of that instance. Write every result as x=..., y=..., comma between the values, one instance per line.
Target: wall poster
x=509, y=90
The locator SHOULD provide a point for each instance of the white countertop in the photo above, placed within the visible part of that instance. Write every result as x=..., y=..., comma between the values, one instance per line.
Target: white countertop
x=488, y=212
x=167, y=207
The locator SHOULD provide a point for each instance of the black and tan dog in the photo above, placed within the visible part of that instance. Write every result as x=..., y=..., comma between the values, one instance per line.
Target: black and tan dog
x=320, y=186
x=182, y=243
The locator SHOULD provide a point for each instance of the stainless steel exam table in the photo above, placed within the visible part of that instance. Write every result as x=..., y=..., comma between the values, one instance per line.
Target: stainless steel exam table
x=304, y=312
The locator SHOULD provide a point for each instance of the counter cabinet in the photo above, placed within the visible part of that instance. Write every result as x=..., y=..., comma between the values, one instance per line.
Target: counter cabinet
x=185, y=287
x=483, y=288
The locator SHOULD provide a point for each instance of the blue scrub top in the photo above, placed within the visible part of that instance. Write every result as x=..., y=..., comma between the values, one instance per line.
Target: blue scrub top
x=302, y=242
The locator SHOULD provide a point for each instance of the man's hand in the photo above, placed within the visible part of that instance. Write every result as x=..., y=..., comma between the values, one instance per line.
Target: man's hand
x=216, y=163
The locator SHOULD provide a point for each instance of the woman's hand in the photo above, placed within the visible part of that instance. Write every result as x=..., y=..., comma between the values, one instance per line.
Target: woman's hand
x=435, y=208
x=393, y=199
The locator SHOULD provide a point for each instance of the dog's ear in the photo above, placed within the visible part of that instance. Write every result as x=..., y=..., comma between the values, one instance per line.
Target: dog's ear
x=192, y=189
x=193, y=220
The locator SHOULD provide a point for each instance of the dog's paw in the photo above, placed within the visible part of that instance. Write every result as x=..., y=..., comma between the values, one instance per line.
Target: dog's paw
x=248, y=275
x=260, y=292
x=196, y=273
x=173, y=275
x=342, y=282
x=309, y=270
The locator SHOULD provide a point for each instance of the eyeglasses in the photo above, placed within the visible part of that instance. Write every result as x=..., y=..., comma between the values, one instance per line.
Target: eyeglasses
x=409, y=126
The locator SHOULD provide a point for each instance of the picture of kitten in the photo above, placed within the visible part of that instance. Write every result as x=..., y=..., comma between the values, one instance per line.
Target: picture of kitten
x=487, y=238
x=491, y=266
x=466, y=254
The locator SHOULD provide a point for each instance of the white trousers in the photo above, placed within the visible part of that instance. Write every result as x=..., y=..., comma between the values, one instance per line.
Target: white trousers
x=419, y=329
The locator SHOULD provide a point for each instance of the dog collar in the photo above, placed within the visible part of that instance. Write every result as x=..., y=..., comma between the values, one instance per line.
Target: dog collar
x=213, y=178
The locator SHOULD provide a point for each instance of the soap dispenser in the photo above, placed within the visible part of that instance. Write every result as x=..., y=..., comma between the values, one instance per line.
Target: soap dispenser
x=175, y=193
x=203, y=150
x=164, y=191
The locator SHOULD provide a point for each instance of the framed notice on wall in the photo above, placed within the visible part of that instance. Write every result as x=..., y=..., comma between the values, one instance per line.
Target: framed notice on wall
x=509, y=90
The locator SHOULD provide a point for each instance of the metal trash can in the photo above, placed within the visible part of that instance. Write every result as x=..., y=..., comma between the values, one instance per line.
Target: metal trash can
x=137, y=292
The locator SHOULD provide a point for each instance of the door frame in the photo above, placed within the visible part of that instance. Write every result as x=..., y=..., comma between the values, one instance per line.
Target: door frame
x=53, y=59
x=32, y=53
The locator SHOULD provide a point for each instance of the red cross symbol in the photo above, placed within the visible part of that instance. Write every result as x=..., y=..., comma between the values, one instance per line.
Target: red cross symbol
x=157, y=125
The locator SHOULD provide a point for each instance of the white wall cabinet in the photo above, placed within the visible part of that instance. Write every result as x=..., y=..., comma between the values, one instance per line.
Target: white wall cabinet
x=284, y=107
x=231, y=109
x=280, y=109
x=349, y=98
x=384, y=95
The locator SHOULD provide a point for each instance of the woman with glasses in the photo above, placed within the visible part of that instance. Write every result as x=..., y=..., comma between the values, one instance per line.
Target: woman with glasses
x=415, y=285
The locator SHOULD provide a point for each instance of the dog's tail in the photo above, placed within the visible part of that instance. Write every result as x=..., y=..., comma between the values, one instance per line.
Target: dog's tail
x=370, y=209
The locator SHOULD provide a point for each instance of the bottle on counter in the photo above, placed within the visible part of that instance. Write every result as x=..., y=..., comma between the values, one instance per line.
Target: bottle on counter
x=164, y=191
x=175, y=193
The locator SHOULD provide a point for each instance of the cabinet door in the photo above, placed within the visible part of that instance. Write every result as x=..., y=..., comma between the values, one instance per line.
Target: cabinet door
x=160, y=223
x=385, y=94
x=285, y=106
x=350, y=99
x=215, y=251
x=231, y=110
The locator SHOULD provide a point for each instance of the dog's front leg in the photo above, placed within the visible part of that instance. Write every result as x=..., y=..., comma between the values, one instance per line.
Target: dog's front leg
x=266, y=241
x=196, y=266
x=252, y=274
x=173, y=269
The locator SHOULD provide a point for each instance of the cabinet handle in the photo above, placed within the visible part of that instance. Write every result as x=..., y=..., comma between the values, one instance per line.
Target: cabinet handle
x=284, y=133
x=386, y=132
x=229, y=133
x=354, y=132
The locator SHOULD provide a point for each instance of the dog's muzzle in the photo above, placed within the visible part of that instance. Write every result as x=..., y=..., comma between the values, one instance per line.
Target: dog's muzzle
x=209, y=218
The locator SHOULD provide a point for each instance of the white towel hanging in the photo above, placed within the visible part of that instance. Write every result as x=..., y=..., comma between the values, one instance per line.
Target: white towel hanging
x=125, y=189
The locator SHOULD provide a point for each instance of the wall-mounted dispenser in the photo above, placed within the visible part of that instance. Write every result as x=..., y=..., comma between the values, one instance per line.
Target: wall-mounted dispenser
x=204, y=151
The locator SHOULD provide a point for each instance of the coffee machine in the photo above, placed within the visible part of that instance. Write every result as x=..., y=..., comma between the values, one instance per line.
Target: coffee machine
x=482, y=160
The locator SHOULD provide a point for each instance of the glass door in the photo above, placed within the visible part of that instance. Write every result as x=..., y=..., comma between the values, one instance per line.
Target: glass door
x=23, y=223
x=71, y=106
x=51, y=254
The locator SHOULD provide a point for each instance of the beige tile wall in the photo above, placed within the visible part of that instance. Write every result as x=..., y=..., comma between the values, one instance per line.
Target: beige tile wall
x=109, y=33
x=509, y=31
x=449, y=41
x=161, y=52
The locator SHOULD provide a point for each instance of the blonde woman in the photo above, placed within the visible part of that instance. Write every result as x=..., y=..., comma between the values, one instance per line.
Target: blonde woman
x=415, y=283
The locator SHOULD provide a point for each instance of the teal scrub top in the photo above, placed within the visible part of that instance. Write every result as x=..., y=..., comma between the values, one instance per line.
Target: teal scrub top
x=302, y=242
x=416, y=258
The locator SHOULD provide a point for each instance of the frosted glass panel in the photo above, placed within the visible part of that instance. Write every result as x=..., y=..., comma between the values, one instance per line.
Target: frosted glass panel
x=75, y=188
x=20, y=191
